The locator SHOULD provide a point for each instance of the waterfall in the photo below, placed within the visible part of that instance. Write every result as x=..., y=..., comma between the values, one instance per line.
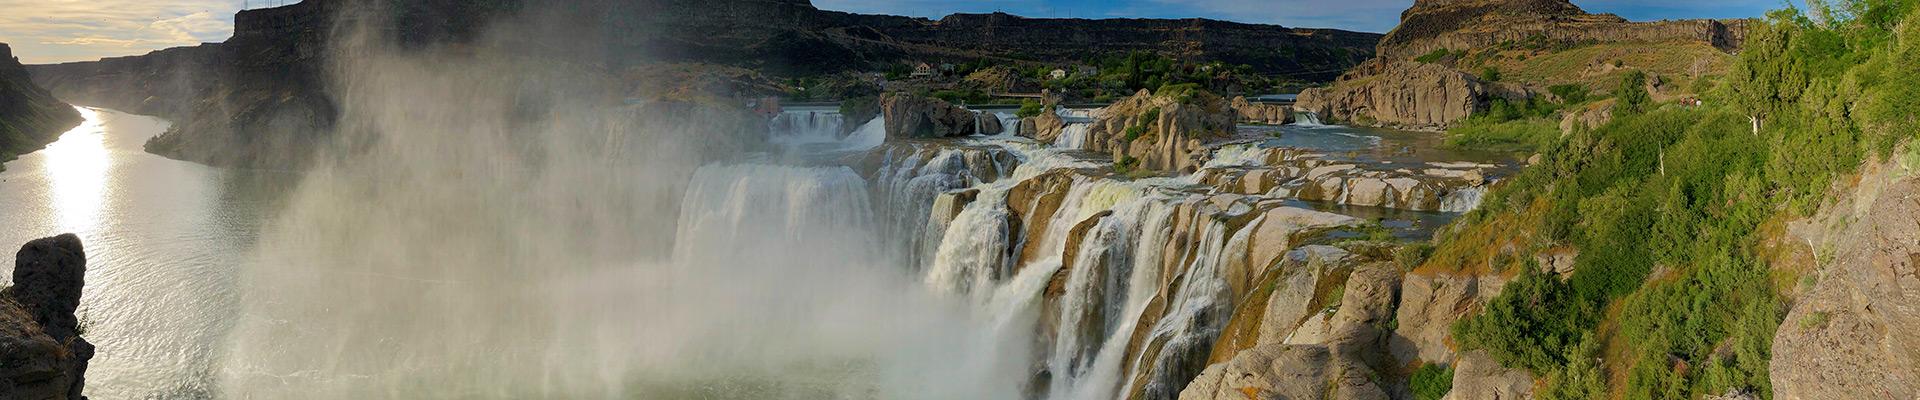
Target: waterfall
x=868, y=136
x=1073, y=137
x=1197, y=312
x=1307, y=119
x=1463, y=199
x=805, y=127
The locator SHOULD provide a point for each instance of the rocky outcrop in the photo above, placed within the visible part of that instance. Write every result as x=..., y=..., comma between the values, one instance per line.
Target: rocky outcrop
x=1162, y=132
x=1416, y=96
x=29, y=116
x=1045, y=127
x=1348, y=363
x=1306, y=175
x=42, y=355
x=1262, y=113
x=1851, y=336
x=1474, y=24
x=911, y=116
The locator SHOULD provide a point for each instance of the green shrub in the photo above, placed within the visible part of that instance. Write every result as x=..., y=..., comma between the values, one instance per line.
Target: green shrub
x=1572, y=93
x=1435, y=56
x=1030, y=108
x=1490, y=74
x=1431, y=382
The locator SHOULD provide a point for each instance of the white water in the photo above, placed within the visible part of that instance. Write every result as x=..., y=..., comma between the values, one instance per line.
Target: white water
x=804, y=127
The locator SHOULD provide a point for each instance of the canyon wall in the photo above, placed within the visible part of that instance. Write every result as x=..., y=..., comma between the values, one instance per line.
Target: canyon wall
x=1396, y=90
x=30, y=117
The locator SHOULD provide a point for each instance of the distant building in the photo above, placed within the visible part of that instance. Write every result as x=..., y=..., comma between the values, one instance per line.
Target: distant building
x=1086, y=70
x=1058, y=74
x=922, y=70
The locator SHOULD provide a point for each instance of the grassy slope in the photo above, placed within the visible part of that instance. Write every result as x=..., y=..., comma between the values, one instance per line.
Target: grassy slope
x=1677, y=212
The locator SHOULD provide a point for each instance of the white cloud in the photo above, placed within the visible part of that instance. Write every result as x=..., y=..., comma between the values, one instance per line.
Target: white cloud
x=43, y=31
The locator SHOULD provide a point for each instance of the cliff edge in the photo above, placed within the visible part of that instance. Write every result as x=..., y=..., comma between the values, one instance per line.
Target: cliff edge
x=30, y=117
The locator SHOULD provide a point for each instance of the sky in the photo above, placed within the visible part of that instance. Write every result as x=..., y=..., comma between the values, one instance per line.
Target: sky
x=49, y=31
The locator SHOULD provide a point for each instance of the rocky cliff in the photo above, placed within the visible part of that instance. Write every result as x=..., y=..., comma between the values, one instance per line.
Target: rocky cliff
x=42, y=355
x=1851, y=333
x=1448, y=59
x=29, y=116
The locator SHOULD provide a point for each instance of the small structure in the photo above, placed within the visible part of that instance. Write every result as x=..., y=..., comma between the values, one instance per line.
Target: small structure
x=1057, y=74
x=1086, y=70
x=922, y=70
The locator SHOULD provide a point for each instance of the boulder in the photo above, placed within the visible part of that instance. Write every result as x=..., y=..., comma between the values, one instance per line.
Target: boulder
x=1429, y=304
x=914, y=117
x=42, y=355
x=1043, y=128
x=1477, y=376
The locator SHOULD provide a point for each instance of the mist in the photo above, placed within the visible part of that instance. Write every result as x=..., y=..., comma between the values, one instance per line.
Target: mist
x=493, y=222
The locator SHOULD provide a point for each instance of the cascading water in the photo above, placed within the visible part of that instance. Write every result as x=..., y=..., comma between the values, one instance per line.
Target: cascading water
x=806, y=127
x=1307, y=119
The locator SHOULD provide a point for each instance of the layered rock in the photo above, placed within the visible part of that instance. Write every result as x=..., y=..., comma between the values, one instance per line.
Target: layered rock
x=1162, y=132
x=42, y=355
x=1405, y=95
x=30, y=117
x=1474, y=24
x=1851, y=335
x=1304, y=175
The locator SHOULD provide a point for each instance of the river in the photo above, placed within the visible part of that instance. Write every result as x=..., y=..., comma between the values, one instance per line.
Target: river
x=164, y=241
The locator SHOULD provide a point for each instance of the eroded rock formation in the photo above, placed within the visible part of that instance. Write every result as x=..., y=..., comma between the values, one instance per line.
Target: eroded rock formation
x=42, y=355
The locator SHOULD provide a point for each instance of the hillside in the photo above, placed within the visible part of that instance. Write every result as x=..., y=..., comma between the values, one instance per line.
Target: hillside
x=29, y=116
x=1453, y=59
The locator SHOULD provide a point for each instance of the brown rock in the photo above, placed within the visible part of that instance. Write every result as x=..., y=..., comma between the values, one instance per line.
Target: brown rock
x=914, y=117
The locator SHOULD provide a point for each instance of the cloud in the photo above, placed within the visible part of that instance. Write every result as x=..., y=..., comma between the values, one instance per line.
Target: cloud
x=45, y=31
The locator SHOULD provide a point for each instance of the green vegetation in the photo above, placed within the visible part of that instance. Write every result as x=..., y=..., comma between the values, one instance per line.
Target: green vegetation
x=1490, y=74
x=1572, y=93
x=1664, y=204
x=1439, y=55
x=1030, y=108
x=1431, y=382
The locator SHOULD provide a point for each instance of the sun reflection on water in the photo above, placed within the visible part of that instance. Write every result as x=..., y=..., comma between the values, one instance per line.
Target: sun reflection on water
x=77, y=165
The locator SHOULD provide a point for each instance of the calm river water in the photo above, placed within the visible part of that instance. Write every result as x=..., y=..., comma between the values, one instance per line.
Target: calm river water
x=164, y=238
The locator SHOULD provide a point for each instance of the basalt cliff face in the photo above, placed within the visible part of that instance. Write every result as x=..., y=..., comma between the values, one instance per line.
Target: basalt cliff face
x=261, y=98
x=42, y=355
x=1429, y=71
x=29, y=116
